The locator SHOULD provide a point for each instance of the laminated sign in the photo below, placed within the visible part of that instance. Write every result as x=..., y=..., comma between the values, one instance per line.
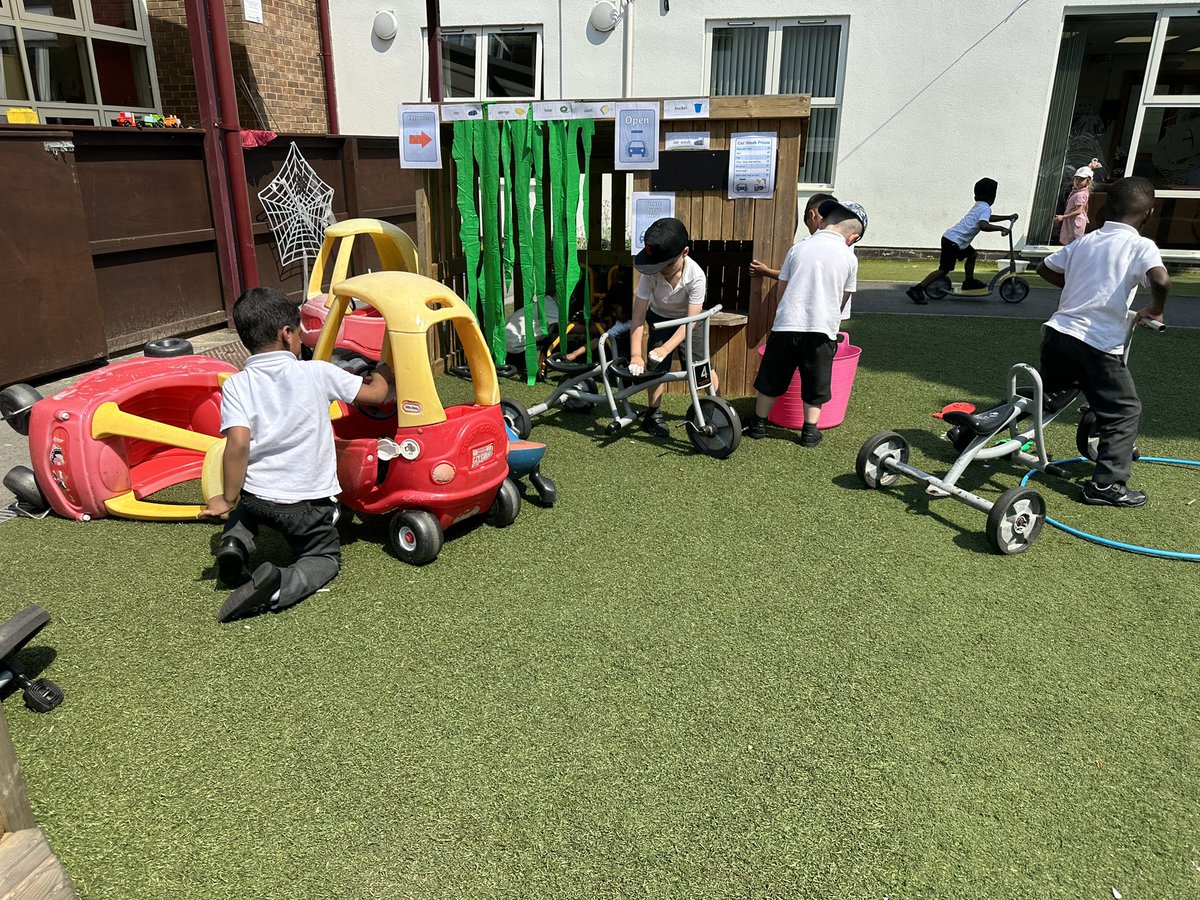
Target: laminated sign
x=636, y=136
x=420, y=143
x=752, y=165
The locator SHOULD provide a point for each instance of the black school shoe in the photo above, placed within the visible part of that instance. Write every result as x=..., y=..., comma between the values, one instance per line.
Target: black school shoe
x=232, y=562
x=1113, y=495
x=252, y=596
x=654, y=424
x=810, y=436
x=755, y=427
x=917, y=295
x=974, y=285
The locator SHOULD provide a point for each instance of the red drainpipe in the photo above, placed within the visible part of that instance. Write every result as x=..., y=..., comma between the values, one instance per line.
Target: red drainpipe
x=231, y=130
x=433, y=28
x=214, y=160
x=327, y=65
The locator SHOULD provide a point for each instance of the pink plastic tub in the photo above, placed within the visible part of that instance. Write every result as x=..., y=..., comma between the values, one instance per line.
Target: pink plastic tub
x=788, y=411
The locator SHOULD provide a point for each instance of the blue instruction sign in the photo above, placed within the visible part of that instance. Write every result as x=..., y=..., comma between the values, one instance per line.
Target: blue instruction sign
x=420, y=136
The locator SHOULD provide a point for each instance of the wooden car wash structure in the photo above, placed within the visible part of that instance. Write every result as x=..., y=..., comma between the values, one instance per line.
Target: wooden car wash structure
x=726, y=233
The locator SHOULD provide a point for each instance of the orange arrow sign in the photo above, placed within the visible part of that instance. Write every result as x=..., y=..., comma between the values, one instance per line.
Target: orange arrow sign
x=420, y=138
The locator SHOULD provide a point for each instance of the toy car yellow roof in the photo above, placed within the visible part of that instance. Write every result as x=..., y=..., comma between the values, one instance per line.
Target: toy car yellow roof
x=408, y=302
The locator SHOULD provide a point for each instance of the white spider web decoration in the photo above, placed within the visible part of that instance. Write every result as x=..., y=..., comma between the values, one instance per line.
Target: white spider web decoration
x=299, y=206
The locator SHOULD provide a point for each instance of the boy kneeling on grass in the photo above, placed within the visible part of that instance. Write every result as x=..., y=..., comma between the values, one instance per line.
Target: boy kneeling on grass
x=280, y=468
x=1084, y=340
x=817, y=278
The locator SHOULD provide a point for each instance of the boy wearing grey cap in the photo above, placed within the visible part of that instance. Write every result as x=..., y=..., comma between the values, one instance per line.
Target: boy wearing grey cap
x=817, y=278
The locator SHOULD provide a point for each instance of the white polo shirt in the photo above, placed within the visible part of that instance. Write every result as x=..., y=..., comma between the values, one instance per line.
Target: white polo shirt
x=672, y=302
x=285, y=404
x=817, y=273
x=968, y=227
x=1102, y=271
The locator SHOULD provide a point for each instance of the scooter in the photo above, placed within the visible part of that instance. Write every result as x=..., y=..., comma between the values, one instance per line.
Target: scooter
x=1015, y=519
x=1011, y=286
x=713, y=425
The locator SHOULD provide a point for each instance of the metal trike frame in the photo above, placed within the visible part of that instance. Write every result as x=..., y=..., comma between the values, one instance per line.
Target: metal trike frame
x=715, y=432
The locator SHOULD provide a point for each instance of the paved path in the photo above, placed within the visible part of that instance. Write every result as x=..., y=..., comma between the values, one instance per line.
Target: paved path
x=875, y=297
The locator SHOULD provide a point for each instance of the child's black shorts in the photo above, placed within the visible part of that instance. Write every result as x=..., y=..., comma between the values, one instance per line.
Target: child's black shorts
x=659, y=336
x=951, y=254
x=810, y=352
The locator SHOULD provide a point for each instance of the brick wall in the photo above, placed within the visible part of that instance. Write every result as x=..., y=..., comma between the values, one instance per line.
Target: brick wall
x=276, y=66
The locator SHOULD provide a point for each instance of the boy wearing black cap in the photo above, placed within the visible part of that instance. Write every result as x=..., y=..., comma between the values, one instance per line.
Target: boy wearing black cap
x=672, y=286
x=817, y=278
x=956, y=242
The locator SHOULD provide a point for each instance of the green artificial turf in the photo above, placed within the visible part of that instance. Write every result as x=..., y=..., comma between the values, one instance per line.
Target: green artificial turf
x=691, y=678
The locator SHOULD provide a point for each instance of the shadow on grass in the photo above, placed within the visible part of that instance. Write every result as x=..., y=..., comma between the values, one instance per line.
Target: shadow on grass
x=32, y=661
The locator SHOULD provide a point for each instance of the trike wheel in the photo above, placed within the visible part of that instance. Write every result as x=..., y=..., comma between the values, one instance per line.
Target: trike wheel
x=517, y=417
x=43, y=695
x=415, y=536
x=1014, y=290
x=506, y=505
x=166, y=348
x=575, y=404
x=878, y=448
x=1016, y=520
x=722, y=431
x=939, y=288
x=23, y=483
x=15, y=403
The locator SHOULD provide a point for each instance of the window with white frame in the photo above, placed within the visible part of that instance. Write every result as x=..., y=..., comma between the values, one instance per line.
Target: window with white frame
x=502, y=62
x=76, y=61
x=1126, y=93
x=786, y=56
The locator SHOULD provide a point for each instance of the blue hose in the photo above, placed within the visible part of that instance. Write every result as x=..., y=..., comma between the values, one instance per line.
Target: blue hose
x=1119, y=545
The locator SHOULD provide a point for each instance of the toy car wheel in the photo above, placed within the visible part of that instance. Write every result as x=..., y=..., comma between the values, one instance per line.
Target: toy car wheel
x=879, y=448
x=1016, y=520
x=939, y=288
x=506, y=505
x=15, y=403
x=167, y=348
x=23, y=483
x=415, y=536
x=517, y=417
x=1014, y=290
x=722, y=431
x=575, y=404
x=43, y=695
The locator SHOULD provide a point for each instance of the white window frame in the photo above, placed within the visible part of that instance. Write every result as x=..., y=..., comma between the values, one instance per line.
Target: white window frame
x=776, y=25
x=482, y=33
x=14, y=14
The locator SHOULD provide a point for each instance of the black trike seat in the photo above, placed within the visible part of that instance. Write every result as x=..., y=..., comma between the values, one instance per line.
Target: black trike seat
x=991, y=420
x=560, y=363
x=619, y=369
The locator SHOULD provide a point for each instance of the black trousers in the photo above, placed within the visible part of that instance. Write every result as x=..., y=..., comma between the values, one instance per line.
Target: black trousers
x=1068, y=362
x=309, y=527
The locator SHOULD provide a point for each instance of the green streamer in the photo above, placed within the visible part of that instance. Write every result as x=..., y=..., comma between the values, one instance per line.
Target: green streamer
x=586, y=130
x=537, y=149
x=523, y=227
x=506, y=252
x=463, y=153
x=492, y=300
x=558, y=137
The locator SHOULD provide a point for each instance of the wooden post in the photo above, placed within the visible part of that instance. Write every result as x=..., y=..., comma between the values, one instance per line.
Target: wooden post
x=15, y=811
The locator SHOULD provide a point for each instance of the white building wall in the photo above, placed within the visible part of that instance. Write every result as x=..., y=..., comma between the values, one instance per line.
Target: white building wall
x=937, y=94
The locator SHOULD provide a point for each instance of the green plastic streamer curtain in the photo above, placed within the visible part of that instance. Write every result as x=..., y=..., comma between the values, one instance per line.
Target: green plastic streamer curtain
x=506, y=249
x=463, y=152
x=537, y=147
x=564, y=195
x=492, y=296
x=586, y=130
x=522, y=225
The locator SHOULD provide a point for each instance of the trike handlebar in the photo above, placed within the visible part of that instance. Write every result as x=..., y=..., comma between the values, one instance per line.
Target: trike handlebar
x=699, y=317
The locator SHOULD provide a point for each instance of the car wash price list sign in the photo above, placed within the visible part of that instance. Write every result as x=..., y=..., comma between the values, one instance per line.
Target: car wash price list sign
x=752, y=165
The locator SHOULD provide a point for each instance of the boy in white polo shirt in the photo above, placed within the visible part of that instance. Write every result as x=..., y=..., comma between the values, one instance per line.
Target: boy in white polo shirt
x=956, y=242
x=279, y=467
x=672, y=286
x=818, y=276
x=1084, y=340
